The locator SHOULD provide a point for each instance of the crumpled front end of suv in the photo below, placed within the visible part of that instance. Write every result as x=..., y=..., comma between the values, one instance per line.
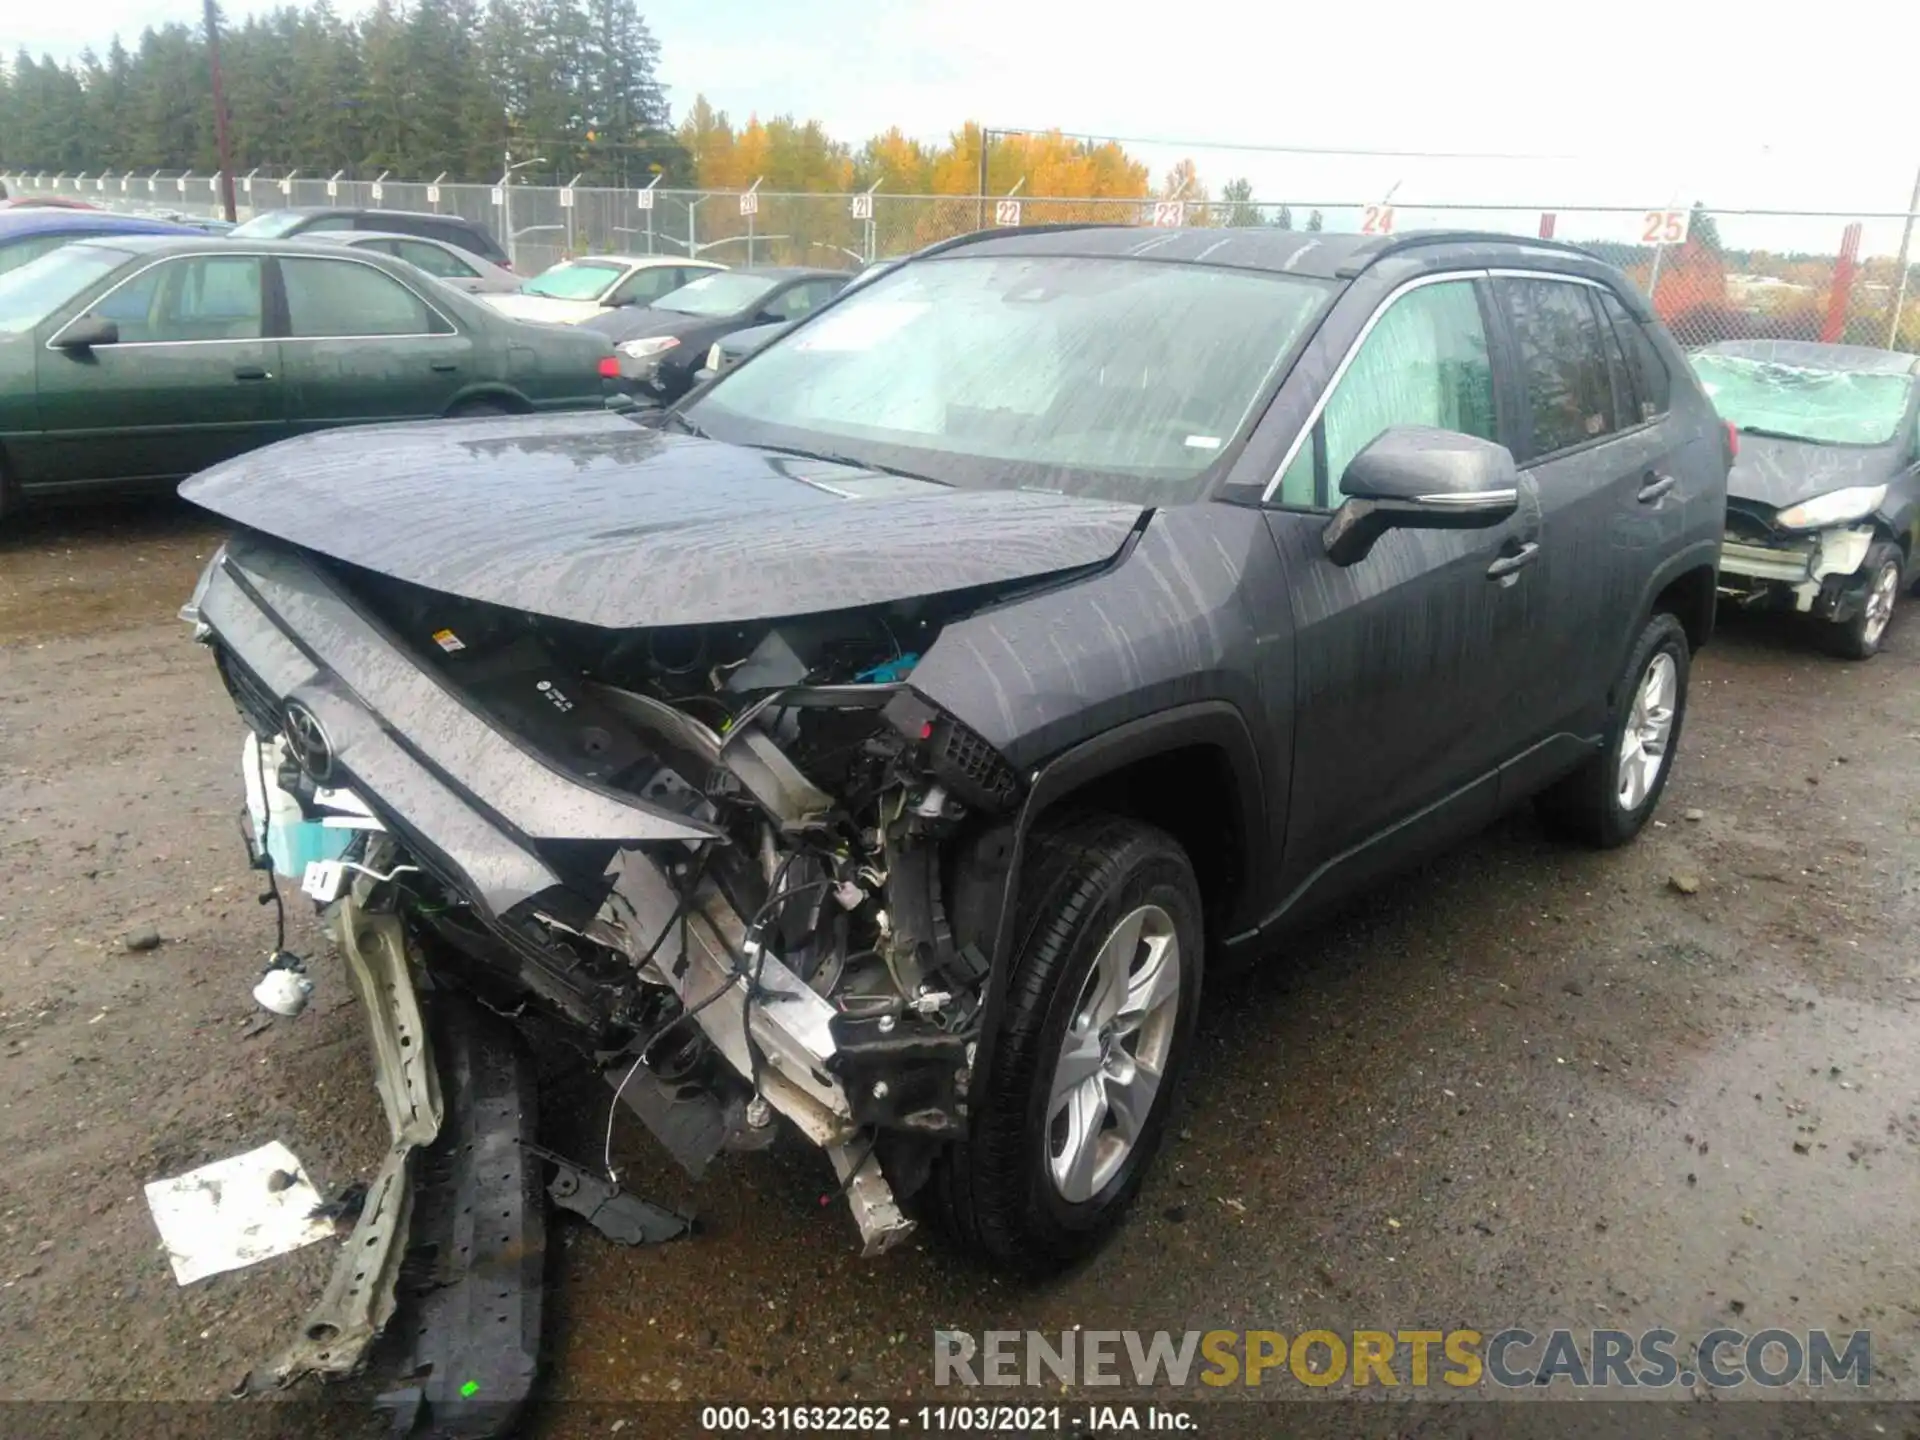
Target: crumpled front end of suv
x=735, y=857
x=718, y=852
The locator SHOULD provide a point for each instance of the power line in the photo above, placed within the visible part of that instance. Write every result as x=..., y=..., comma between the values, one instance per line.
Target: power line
x=1277, y=149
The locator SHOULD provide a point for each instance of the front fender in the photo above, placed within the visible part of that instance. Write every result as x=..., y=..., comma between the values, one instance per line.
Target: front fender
x=1213, y=724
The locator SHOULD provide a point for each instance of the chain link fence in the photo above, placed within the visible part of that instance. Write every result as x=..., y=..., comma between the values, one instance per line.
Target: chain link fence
x=1725, y=275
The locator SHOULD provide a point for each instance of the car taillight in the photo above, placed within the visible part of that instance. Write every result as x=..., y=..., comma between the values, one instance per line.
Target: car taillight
x=609, y=367
x=1733, y=442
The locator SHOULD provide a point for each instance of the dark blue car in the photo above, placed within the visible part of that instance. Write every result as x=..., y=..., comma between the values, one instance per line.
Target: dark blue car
x=28, y=234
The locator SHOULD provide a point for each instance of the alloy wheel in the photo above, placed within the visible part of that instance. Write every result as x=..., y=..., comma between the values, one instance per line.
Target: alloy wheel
x=1879, y=609
x=1114, y=1053
x=1649, y=729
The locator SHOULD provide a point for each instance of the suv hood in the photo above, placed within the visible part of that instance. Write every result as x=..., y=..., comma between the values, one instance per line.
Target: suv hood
x=1778, y=473
x=593, y=519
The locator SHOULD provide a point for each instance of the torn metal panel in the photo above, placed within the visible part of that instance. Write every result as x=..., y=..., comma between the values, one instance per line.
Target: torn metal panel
x=882, y=1223
x=706, y=963
x=359, y=1298
x=751, y=757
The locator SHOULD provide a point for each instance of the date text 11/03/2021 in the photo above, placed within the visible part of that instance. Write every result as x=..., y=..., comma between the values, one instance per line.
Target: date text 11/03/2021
x=1091, y=1419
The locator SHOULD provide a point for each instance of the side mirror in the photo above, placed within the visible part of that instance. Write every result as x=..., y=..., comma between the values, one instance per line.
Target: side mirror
x=87, y=332
x=767, y=317
x=1422, y=478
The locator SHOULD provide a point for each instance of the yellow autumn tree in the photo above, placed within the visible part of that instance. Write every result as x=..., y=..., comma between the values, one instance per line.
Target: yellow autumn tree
x=799, y=156
x=900, y=166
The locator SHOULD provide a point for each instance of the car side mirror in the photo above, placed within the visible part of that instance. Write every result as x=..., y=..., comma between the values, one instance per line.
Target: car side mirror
x=767, y=317
x=1418, y=477
x=87, y=332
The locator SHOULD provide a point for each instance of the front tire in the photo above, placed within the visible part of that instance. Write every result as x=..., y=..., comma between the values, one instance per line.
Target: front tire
x=1860, y=638
x=1608, y=800
x=1097, y=1024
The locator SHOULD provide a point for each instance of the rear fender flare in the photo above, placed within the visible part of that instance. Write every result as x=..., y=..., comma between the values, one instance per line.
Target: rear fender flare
x=1693, y=557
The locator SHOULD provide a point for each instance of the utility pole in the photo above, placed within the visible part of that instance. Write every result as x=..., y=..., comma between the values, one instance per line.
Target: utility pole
x=220, y=109
x=986, y=147
x=1906, y=242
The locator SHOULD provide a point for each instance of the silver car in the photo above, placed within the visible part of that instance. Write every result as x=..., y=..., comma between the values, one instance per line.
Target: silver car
x=461, y=269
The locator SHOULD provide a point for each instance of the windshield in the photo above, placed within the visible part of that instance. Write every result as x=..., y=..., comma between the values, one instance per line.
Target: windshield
x=36, y=289
x=721, y=293
x=1119, y=378
x=575, y=280
x=271, y=226
x=1826, y=407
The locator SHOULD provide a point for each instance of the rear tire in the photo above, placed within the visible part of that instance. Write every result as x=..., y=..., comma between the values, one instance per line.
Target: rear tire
x=1861, y=637
x=1609, y=799
x=1067, y=1118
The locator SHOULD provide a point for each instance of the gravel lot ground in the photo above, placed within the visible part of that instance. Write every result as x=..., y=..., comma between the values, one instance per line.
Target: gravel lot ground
x=1528, y=1085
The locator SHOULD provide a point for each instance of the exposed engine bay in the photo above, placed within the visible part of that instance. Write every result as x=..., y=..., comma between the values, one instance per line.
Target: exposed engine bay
x=817, y=949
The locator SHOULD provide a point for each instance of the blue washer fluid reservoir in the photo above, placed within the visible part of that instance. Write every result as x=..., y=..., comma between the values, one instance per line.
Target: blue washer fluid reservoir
x=292, y=841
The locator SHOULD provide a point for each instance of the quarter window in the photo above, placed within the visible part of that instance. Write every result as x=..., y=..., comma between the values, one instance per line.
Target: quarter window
x=1652, y=385
x=342, y=297
x=1563, y=361
x=1425, y=362
x=203, y=297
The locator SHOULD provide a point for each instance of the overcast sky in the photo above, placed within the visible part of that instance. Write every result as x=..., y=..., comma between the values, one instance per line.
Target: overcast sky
x=1631, y=105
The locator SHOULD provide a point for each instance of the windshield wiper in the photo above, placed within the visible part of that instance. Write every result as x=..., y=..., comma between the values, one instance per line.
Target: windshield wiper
x=828, y=457
x=684, y=425
x=1773, y=434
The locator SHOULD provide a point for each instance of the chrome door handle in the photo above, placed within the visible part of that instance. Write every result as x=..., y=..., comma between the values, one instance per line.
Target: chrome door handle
x=1511, y=564
x=1655, y=488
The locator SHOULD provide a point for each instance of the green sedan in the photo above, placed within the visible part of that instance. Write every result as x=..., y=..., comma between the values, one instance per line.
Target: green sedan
x=134, y=360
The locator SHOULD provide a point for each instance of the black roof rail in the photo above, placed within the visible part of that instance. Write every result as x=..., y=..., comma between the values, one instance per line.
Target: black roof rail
x=954, y=242
x=1394, y=244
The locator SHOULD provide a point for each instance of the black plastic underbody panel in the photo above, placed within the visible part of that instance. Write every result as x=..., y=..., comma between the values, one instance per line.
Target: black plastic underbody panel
x=468, y=1331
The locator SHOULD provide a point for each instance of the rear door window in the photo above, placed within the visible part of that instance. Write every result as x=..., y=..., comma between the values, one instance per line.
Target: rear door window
x=328, y=298
x=1563, y=362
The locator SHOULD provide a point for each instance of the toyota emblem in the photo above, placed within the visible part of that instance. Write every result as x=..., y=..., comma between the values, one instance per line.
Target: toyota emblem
x=308, y=743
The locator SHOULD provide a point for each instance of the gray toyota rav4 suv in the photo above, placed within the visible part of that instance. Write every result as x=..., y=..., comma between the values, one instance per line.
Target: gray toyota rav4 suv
x=886, y=740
